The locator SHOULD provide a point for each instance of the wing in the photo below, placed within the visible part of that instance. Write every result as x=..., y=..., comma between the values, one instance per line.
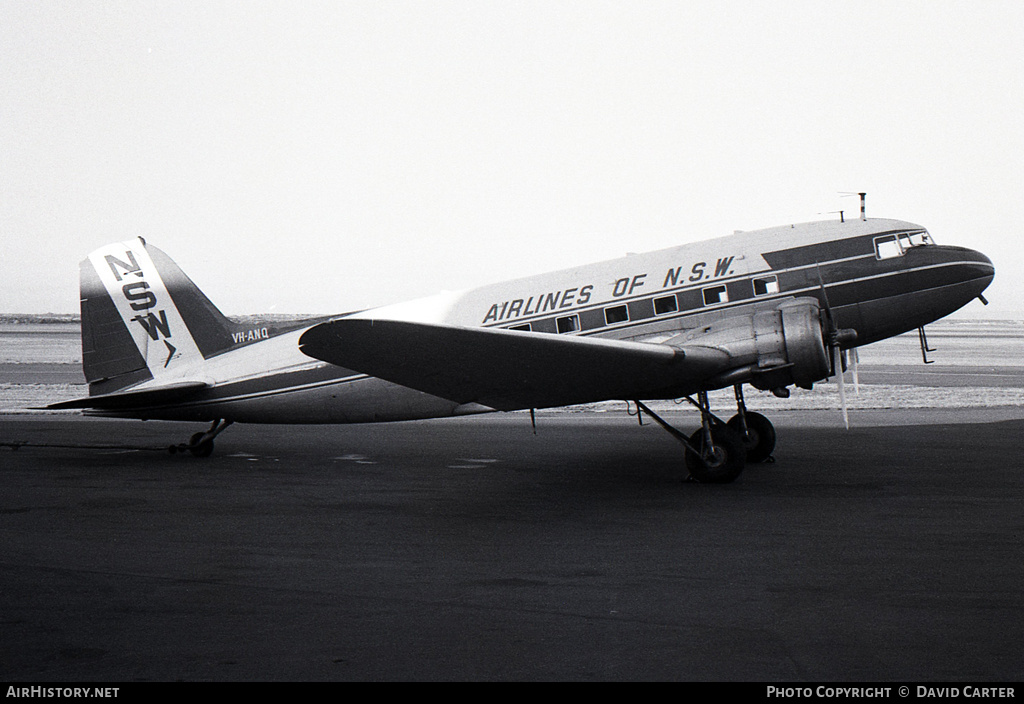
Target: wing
x=143, y=398
x=506, y=369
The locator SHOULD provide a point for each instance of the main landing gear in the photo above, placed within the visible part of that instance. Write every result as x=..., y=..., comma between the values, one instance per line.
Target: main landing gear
x=201, y=444
x=718, y=451
x=757, y=431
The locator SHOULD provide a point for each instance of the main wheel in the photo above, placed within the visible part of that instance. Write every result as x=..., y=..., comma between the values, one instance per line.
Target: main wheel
x=760, y=437
x=198, y=447
x=722, y=462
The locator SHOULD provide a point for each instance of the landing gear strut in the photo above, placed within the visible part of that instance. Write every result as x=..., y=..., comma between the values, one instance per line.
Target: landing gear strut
x=201, y=444
x=714, y=453
x=718, y=451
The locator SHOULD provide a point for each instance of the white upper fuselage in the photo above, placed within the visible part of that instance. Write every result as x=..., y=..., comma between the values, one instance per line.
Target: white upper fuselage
x=622, y=279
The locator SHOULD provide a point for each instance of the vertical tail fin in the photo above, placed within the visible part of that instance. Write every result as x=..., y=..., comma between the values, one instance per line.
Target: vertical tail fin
x=143, y=318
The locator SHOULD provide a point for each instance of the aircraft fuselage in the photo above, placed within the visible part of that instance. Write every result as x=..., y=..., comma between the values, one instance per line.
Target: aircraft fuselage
x=878, y=277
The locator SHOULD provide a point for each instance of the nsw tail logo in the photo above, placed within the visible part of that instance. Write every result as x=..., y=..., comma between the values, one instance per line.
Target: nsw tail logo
x=141, y=297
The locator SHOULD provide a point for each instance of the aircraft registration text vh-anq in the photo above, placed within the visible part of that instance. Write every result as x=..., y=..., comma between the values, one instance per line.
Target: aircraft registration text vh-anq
x=772, y=308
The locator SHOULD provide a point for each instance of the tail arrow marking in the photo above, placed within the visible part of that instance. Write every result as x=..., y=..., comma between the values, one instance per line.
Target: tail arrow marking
x=171, y=349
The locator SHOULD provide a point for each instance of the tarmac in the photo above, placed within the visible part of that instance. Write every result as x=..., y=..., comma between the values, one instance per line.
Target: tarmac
x=474, y=549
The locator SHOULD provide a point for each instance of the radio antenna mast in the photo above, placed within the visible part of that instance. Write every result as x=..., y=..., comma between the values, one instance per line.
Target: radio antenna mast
x=863, y=202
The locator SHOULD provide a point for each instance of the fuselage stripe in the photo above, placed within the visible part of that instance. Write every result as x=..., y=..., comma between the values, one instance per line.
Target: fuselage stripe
x=829, y=284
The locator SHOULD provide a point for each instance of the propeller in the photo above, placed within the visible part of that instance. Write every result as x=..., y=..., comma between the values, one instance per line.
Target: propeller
x=837, y=369
x=835, y=339
x=854, y=363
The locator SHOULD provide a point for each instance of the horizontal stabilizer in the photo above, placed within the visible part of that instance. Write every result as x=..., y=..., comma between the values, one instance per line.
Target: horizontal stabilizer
x=142, y=398
x=506, y=369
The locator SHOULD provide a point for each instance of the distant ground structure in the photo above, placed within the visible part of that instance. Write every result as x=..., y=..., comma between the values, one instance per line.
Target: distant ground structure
x=38, y=318
x=67, y=318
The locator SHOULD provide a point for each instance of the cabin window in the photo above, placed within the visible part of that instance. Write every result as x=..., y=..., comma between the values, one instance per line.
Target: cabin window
x=715, y=294
x=525, y=327
x=570, y=323
x=766, y=285
x=617, y=314
x=665, y=304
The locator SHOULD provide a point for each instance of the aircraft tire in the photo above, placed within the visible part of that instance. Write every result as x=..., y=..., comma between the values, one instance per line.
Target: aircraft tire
x=760, y=438
x=728, y=456
x=198, y=447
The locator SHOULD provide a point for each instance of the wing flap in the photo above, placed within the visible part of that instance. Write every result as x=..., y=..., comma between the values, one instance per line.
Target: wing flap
x=140, y=398
x=505, y=369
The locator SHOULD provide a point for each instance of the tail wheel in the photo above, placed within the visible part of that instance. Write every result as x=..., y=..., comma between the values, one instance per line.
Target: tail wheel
x=720, y=463
x=199, y=447
x=760, y=437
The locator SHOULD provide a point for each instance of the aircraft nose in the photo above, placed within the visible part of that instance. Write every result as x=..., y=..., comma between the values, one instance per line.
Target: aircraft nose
x=978, y=269
x=975, y=271
x=961, y=274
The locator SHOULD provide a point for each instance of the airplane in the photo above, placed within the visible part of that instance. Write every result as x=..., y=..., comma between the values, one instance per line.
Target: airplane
x=771, y=308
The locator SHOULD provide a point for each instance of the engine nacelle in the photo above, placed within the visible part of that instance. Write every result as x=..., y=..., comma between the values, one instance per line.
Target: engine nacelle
x=793, y=350
x=771, y=348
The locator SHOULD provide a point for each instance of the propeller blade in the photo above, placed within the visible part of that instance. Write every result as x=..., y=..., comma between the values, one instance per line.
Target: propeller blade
x=837, y=364
x=836, y=338
x=855, y=361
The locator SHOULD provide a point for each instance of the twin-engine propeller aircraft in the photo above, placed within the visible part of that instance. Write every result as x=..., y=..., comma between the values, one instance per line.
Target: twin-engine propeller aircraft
x=771, y=308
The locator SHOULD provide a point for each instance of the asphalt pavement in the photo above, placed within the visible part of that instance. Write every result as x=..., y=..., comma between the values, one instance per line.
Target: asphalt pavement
x=474, y=549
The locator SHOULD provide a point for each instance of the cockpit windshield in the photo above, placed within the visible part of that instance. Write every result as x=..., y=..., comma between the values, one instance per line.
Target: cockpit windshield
x=888, y=246
x=915, y=239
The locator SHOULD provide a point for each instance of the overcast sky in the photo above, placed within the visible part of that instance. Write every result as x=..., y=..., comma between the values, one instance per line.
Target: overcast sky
x=322, y=157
